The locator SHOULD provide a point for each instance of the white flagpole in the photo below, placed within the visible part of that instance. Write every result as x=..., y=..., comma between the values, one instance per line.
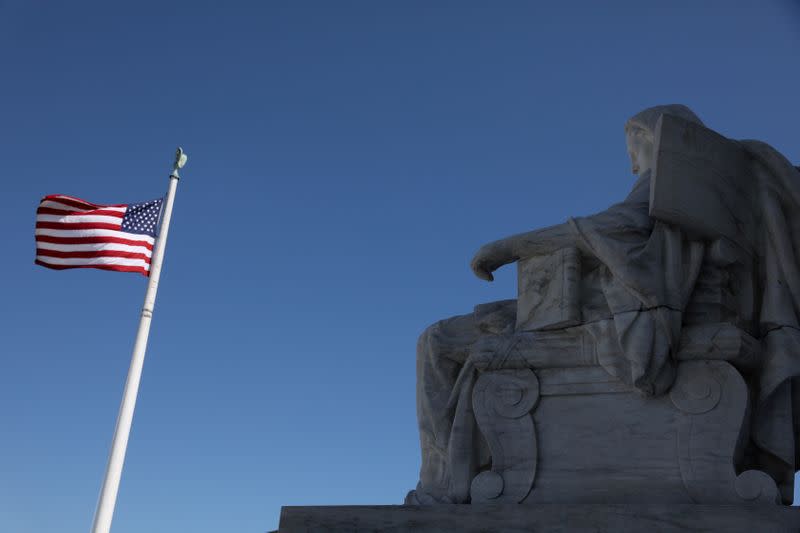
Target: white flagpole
x=108, y=494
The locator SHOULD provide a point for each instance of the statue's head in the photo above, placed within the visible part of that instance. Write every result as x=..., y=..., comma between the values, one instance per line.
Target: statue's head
x=640, y=133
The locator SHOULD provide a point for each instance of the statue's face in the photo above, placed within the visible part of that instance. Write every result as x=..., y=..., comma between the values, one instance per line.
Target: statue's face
x=641, y=150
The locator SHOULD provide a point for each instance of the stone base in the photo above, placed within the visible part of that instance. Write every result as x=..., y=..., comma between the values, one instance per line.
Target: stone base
x=552, y=518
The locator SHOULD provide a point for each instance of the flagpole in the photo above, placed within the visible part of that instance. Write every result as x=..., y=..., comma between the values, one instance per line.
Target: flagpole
x=108, y=493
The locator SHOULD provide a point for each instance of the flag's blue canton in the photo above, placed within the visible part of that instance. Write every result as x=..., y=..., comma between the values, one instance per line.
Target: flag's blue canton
x=142, y=218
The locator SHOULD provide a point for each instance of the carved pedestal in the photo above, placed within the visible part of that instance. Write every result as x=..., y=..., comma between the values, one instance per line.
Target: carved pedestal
x=577, y=435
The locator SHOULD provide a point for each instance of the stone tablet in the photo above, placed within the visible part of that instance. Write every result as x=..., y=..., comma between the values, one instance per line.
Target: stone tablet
x=548, y=291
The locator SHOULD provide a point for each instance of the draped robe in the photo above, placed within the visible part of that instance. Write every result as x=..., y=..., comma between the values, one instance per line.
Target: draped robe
x=648, y=274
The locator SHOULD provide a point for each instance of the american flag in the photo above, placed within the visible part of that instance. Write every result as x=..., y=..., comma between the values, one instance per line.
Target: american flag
x=74, y=233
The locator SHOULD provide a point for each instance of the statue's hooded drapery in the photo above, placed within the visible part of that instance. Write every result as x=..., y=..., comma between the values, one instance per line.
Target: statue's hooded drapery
x=776, y=427
x=659, y=272
x=651, y=267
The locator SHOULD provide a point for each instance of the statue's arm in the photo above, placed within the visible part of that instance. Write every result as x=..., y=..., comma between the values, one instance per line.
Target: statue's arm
x=631, y=216
x=543, y=241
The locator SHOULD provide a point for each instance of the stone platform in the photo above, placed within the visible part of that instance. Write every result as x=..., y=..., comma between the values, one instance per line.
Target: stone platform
x=550, y=518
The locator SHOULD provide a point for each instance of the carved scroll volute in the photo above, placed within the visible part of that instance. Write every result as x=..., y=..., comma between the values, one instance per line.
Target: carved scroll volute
x=713, y=399
x=503, y=400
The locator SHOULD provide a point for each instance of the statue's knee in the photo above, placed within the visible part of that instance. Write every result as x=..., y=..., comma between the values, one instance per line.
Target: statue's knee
x=428, y=340
x=447, y=340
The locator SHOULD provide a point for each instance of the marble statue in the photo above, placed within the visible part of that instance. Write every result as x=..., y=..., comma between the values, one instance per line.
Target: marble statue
x=653, y=352
x=646, y=377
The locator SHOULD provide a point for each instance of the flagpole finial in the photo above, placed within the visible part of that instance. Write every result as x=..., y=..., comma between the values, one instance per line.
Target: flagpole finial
x=180, y=161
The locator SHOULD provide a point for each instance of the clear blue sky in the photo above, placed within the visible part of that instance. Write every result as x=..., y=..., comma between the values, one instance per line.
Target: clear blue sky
x=345, y=161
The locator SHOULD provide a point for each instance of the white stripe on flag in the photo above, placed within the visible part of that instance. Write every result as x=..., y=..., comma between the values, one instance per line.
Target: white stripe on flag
x=94, y=233
x=75, y=219
x=93, y=261
x=90, y=247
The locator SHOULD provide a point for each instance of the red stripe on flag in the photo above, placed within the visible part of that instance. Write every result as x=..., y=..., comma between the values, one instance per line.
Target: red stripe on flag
x=103, y=212
x=78, y=225
x=78, y=202
x=71, y=200
x=93, y=253
x=118, y=268
x=92, y=240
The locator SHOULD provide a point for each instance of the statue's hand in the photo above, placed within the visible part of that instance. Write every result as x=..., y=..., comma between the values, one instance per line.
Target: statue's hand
x=490, y=257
